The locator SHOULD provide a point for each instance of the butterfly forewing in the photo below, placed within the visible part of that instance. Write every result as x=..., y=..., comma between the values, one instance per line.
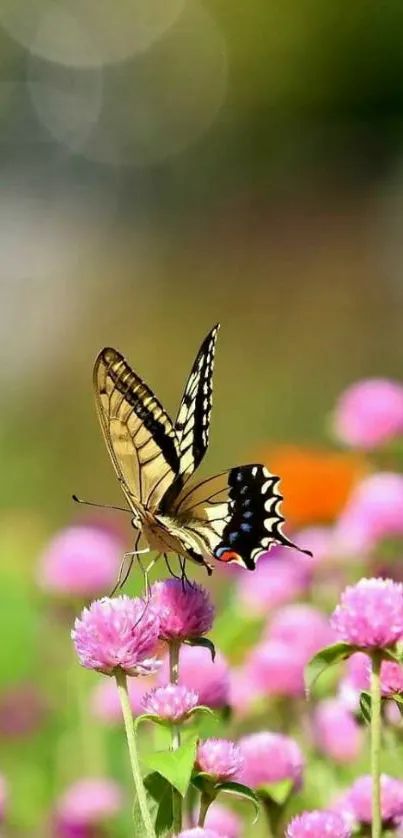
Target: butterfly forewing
x=193, y=420
x=139, y=434
x=237, y=514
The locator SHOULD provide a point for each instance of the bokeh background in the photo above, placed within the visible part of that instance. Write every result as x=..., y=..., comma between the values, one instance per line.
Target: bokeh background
x=165, y=165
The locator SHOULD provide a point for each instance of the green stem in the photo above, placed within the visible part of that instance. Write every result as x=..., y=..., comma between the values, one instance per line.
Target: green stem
x=376, y=745
x=205, y=802
x=174, y=648
x=121, y=681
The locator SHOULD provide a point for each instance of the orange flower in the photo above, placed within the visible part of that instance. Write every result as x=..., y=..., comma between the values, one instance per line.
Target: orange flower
x=315, y=482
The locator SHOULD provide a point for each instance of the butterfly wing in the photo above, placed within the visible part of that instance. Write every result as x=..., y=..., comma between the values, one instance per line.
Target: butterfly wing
x=193, y=420
x=139, y=434
x=236, y=514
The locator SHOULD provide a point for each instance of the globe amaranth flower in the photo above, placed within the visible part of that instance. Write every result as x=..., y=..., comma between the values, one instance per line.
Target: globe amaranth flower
x=197, y=671
x=269, y=758
x=223, y=821
x=302, y=626
x=318, y=824
x=370, y=614
x=105, y=702
x=184, y=610
x=336, y=731
x=81, y=561
x=359, y=674
x=88, y=802
x=220, y=758
x=244, y=693
x=369, y=413
x=359, y=799
x=276, y=668
x=120, y=633
x=199, y=832
x=172, y=703
x=374, y=511
x=273, y=583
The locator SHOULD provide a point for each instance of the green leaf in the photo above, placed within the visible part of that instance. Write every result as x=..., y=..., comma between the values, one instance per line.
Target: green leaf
x=278, y=792
x=328, y=656
x=150, y=717
x=366, y=706
x=201, y=708
x=398, y=699
x=175, y=766
x=139, y=828
x=204, y=642
x=239, y=790
x=159, y=790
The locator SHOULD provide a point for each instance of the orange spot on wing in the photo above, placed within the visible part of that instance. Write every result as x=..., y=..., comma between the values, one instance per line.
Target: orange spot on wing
x=229, y=556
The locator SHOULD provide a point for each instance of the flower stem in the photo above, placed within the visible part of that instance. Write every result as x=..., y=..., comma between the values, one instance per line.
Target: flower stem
x=205, y=802
x=121, y=681
x=174, y=648
x=376, y=745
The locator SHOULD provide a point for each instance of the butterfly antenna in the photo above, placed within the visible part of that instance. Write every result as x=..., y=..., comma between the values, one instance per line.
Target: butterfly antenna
x=99, y=505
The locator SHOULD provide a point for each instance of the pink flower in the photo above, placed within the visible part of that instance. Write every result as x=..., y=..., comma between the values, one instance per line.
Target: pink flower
x=105, y=701
x=80, y=561
x=359, y=674
x=274, y=582
x=370, y=614
x=318, y=825
x=336, y=731
x=220, y=758
x=197, y=671
x=199, y=832
x=23, y=710
x=270, y=758
x=184, y=610
x=303, y=626
x=243, y=691
x=373, y=512
x=119, y=633
x=171, y=703
x=369, y=413
x=223, y=821
x=359, y=799
x=275, y=668
x=320, y=540
x=88, y=802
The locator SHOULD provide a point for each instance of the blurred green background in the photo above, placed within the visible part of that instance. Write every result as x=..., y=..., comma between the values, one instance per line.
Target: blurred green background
x=164, y=166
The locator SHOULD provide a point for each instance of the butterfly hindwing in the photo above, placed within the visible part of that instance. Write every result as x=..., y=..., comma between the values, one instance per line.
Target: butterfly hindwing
x=237, y=514
x=139, y=434
x=193, y=420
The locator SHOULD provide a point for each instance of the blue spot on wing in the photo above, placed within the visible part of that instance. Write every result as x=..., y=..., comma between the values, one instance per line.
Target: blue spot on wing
x=246, y=527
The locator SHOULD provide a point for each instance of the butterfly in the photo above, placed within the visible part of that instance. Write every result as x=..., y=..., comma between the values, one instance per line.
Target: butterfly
x=233, y=516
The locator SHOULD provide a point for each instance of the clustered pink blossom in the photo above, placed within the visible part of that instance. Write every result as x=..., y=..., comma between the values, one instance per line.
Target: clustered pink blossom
x=318, y=824
x=223, y=821
x=370, y=614
x=276, y=668
x=269, y=758
x=120, y=633
x=359, y=674
x=369, y=413
x=197, y=671
x=359, y=799
x=171, y=703
x=302, y=626
x=374, y=511
x=88, y=802
x=274, y=582
x=220, y=758
x=105, y=702
x=184, y=611
x=336, y=731
x=80, y=561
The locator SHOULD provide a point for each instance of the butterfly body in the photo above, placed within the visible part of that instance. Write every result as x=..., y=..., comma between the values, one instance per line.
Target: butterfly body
x=232, y=517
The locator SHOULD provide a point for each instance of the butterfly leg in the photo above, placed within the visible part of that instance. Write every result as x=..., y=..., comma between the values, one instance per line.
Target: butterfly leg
x=184, y=577
x=171, y=572
x=125, y=568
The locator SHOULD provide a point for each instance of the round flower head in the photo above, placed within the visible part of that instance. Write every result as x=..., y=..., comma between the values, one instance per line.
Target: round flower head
x=197, y=671
x=373, y=512
x=369, y=413
x=359, y=674
x=171, y=703
x=273, y=583
x=199, y=832
x=318, y=825
x=184, y=610
x=88, y=802
x=275, y=668
x=320, y=542
x=370, y=614
x=119, y=633
x=223, y=821
x=359, y=799
x=270, y=758
x=243, y=691
x=106, y=704
x=336, y=731
x=80, y=561
x=220, y=758
x=303, y=626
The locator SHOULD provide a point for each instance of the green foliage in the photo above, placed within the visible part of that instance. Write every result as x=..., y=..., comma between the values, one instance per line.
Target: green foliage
x=328, y=656
x=175, y=766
